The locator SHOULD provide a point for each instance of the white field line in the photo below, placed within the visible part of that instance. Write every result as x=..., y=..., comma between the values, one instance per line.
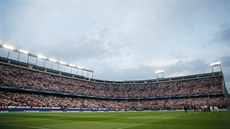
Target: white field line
x=125, y=127
x=32, y=127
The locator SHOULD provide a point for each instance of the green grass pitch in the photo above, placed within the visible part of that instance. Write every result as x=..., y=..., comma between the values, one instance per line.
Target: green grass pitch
x=116, y=120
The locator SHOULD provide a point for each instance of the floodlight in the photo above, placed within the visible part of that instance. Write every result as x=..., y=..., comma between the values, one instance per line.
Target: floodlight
x=41, y=56
x=71, y=65
x=215, y=63
x=61, y=62
x=24, y=51
x=160, y=71
x=160, y=74
x=8, y=47
x=79, y=67
x=53, y=60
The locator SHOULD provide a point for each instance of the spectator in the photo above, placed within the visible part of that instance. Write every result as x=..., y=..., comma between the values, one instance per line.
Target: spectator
x=24, y=78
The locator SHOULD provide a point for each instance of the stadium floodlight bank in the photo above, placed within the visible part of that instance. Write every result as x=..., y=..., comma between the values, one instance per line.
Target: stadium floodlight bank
x=215, y=63
x=10, y=49
x=216, y=66
x=160, y=74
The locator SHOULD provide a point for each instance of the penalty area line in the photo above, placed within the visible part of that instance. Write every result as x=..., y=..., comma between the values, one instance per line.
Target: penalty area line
x=32, y=127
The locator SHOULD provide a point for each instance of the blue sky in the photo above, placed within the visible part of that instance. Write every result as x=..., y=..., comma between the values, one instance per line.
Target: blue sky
x=123, y=39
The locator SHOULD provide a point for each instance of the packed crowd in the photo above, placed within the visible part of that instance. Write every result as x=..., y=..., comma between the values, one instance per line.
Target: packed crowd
x=24, y=78
x=38, y=100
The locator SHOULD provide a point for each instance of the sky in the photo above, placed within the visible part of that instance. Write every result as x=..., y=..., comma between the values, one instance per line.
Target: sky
x=123, y=39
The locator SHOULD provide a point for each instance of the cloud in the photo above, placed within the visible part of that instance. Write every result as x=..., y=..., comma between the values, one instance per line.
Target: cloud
x=222, y=36
x=225, y=61
x=181, y=68
x=188, y=67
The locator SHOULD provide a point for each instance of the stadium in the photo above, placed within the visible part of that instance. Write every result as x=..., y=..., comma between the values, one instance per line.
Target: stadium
x=28, y=87
x=114, y=64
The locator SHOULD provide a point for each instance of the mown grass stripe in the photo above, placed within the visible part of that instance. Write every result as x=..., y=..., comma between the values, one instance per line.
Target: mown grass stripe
x=24, y=120
x=125, y=127
x=32, y=127
x=131, y=120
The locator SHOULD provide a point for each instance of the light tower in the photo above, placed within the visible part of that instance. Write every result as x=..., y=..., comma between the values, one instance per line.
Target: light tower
x=216, y=66
x=160, y=74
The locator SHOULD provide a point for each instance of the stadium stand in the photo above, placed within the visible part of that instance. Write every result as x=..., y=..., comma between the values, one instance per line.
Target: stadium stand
x=25, y=78
x=48, y=101
x=26, y=86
